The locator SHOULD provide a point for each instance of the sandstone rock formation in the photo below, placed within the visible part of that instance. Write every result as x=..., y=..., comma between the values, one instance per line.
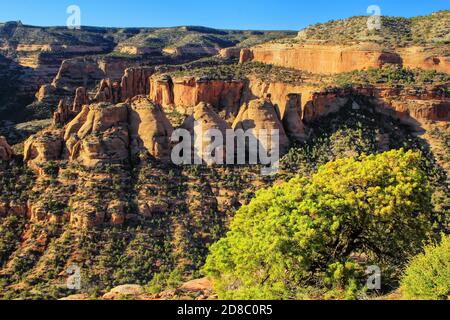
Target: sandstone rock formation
x=260, y=114
x=43, y=147
x=124, y=292
x=413, y=108
x=108, y=92
x=5, y=150
x=187, y=92
x=201, y=125
x=46, y=93
x=75, y=72
x=135, y=82
x=230, y=53
x=425, y=58
x=245, y=55
x=323, y=103
x=150, y=130
x=322, y=59
x=161, y=90
x=292, y=117
x=62, y=114
x=102, y=135
x=110, y=133
x=81, y=99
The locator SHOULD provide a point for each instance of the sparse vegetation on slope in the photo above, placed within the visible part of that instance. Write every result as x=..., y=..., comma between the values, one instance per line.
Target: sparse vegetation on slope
x=395, y=32
x=190, y=209
x=266, y=72
x=428, y=275
x=180, y=37
x=393, y=75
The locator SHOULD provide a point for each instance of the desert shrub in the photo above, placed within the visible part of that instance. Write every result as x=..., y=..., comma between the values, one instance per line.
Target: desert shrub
x=428, y=275
x=310, y=236
x=392, y=75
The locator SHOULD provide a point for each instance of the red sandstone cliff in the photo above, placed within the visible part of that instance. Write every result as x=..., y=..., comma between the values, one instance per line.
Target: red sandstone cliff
x=332, y=59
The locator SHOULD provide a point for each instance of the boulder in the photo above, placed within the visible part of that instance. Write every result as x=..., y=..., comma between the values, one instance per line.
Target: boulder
x=76, y=297
x=124, y=291
x=203, y=284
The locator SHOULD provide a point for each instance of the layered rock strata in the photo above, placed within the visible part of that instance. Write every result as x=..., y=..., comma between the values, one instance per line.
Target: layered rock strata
x=333, y=59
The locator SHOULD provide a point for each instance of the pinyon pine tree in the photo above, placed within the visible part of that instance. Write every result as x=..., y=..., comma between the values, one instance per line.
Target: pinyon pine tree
x=310, y=237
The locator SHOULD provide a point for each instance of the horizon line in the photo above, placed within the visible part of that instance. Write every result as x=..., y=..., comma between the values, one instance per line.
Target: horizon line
x=214, y=28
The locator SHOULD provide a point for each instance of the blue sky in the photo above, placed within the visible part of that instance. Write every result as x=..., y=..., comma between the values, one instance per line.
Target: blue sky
x=229, y=14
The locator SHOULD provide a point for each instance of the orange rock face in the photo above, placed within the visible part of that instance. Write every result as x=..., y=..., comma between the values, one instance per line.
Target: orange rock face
x=321, y=59
x=102, y=135
x=229, y=53
x=161, y=90
x=44, y=92
x=424, y=58
x=43, y=147
x=292, y=117
x=245, y=55
x=61, y=114
x=135, y=82
x=410, y=107
x=199, y=125
x=5, y=150
x=150, y=130
x=322, y=104
x=186, y=93
x=258, y=115
x=332, y=59
x=108, y=92
x=81, y=99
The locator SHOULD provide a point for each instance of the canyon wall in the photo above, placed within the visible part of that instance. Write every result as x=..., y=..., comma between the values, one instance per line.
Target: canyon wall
x=425, y=58
x=313, y=102
x=333, y=59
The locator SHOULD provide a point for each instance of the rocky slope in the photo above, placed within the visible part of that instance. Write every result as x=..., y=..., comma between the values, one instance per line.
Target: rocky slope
x=97, y=188
x=55, y=60
x=347, y=45
x=314, y=99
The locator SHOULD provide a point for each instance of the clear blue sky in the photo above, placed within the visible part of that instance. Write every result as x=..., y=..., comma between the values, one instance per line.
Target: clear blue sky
x=230, y=14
